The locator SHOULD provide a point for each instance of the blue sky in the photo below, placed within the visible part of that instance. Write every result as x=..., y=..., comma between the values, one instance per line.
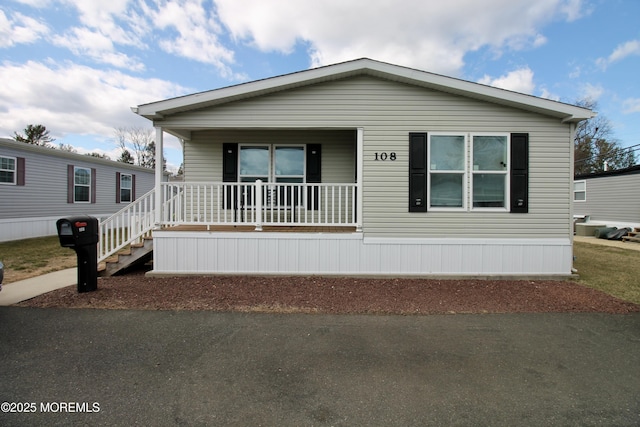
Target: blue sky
x=77, y=66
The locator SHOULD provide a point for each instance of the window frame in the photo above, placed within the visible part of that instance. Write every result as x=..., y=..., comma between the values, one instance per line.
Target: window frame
x=14, y=171
x=581, y=181
x=506, y=172
x=75, y=185
x=468, y=172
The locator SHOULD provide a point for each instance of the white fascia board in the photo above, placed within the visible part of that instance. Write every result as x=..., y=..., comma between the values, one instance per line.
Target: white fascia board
x=566, y=112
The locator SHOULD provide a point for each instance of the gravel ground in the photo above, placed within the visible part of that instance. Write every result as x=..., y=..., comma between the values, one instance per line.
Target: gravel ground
x=335, y=295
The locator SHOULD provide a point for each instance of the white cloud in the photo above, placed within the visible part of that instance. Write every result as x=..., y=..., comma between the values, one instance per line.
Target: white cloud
x=74, y=99
x=631, y=105
x=621, y=52
x=518, y=81
x=592, y=92
x=191, y=31
x=20, y=29
x=433, y=36
x=97, y=46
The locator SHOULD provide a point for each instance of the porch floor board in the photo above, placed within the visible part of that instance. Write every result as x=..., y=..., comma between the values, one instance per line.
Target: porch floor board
x=265, y=228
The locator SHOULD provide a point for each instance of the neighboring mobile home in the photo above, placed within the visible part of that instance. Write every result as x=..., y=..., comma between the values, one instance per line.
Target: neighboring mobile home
x=611, y=198
x=372, y=169
x=39, y=185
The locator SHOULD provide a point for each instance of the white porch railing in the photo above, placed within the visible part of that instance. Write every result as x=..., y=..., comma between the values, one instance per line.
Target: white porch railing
x=129, y=225
x=256, y=204
x=259, y=204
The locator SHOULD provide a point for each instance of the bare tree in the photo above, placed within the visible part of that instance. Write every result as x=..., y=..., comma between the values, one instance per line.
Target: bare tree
x=595, y=146
x=138, y=143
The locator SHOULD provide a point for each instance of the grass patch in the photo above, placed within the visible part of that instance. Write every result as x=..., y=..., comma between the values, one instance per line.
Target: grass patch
x=32, y=257
x=611, y=270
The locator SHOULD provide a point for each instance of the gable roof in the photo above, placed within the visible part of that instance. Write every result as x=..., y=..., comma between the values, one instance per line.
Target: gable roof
x=53, y=152
x=358, y=67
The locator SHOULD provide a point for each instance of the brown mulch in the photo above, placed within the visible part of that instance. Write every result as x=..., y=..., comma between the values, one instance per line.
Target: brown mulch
x=333, y=295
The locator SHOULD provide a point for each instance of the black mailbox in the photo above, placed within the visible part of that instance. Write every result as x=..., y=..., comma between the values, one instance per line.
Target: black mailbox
x=81, y=234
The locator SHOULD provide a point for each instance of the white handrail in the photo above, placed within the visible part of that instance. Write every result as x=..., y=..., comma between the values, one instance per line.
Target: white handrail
x=129, y=225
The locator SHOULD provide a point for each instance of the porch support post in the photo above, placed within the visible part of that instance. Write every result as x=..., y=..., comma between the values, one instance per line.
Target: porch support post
x=159, y=171
x=359, y=174
x=258, y=198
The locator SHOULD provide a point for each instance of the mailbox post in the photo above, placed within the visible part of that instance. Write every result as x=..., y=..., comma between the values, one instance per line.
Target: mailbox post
x=81, y=234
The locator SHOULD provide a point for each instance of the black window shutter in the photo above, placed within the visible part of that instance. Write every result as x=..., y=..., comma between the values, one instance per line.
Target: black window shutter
x=133, y=187
x=20, y=171
x=230, y=171
x=230, y=162
x=519, y=172
x=417, y=172
x=314, y=173
x=94, y=186
x=70, y=183
x=118, y=195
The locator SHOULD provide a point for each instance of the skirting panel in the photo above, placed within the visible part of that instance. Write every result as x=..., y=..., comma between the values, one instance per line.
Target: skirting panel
x=353, y=254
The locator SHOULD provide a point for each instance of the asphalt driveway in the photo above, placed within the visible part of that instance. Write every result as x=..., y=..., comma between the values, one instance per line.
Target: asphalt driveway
x=101, y=367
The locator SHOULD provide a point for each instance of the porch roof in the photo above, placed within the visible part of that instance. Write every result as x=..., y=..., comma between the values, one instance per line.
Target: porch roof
x=364, y=66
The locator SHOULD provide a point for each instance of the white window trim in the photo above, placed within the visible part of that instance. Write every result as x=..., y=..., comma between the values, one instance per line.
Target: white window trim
x=468, y=172
x=506, y=173
x=75, y=169
x=582, y=181
x=15, y=170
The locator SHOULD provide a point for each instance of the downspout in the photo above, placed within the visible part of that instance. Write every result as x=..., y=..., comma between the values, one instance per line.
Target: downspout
x=572, y=128
x=159, y=173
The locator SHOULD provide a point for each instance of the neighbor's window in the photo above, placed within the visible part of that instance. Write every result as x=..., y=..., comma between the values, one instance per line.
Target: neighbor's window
x=490, y=171
x=81, y=184
x=580, y=191
x=126, y=186
x=7, y=170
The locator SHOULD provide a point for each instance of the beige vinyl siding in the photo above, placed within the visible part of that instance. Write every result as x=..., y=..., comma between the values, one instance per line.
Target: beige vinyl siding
x=388, y=111
x=203, y=154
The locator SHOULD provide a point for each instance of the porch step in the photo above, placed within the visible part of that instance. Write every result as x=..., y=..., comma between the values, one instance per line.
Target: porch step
x=632, y=236
x=137, y=253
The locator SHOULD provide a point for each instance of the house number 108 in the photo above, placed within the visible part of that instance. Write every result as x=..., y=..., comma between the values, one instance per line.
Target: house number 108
x=385, y=156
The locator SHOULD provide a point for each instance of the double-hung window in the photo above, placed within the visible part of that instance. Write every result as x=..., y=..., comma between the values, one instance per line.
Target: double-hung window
x=489, y=171
x=126, y=188
x=468, y=171
x=447, y=172
x=8, y=169
x=81, y=185
x=580, y=191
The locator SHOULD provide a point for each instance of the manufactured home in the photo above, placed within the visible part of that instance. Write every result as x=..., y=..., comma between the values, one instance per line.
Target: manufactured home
x=365, y=168
x=611, y=198
x=39, y=185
